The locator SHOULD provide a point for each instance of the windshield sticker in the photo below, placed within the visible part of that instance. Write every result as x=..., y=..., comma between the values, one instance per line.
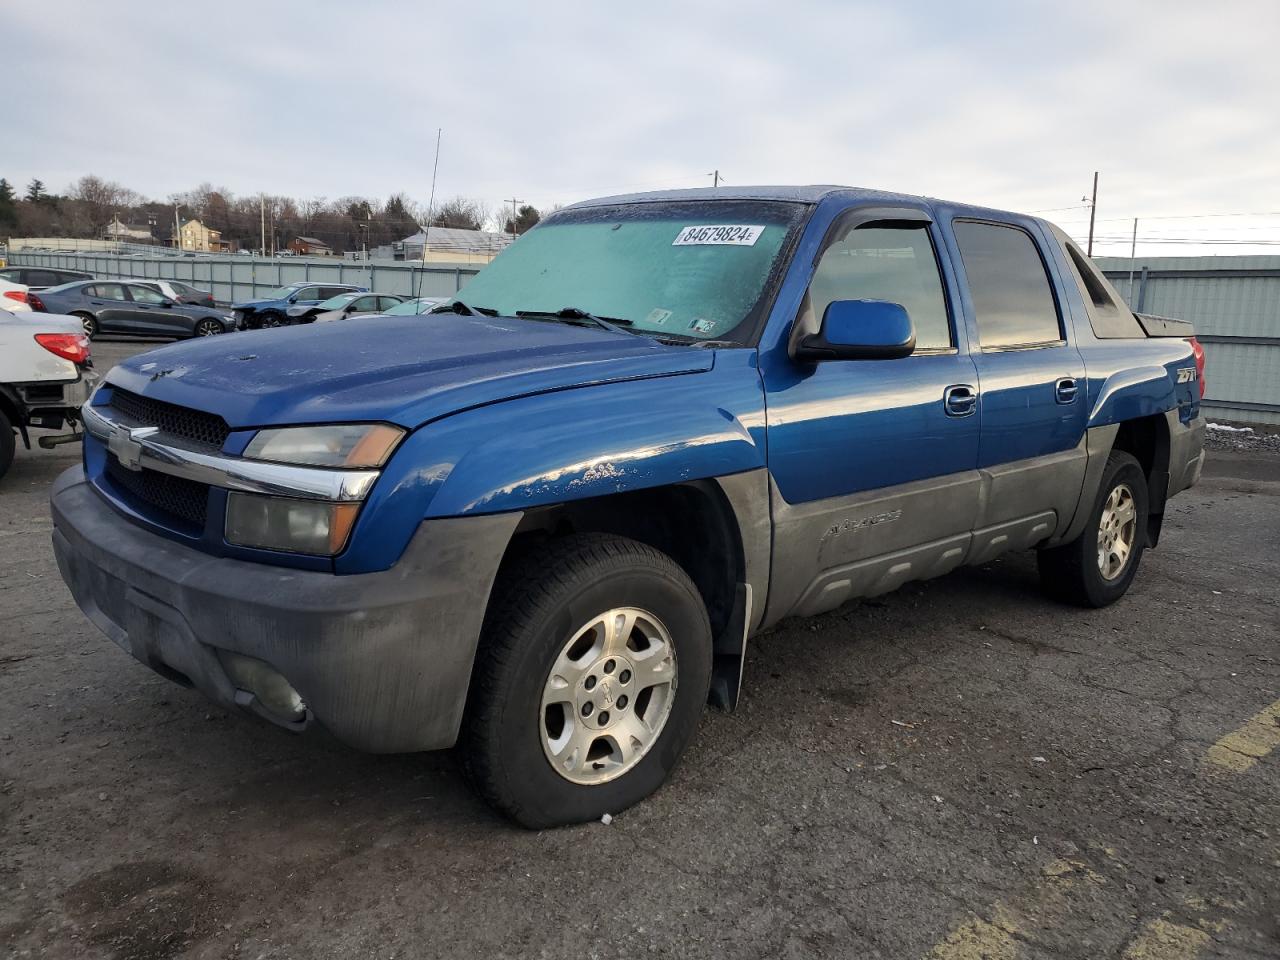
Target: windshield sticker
x=703, y=325
x=728, y=235
x=657, y=316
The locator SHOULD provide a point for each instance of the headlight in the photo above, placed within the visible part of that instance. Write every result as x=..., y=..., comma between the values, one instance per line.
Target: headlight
x=342, y=445
x=316, y=527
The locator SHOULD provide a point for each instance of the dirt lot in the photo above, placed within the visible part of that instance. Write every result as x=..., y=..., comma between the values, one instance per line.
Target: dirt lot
x=961, y=769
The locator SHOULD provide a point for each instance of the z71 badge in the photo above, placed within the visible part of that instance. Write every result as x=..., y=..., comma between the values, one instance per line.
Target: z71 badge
x=1186, y=374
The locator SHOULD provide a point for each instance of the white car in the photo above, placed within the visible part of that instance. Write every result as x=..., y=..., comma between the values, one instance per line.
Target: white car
x=44, y=378
x=13, y=297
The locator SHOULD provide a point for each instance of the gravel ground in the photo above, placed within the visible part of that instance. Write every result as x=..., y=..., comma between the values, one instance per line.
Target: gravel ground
x=957, y=770
x=1242, y=439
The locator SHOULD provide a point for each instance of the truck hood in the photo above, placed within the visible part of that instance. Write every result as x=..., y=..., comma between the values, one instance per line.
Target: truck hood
x=402, y=370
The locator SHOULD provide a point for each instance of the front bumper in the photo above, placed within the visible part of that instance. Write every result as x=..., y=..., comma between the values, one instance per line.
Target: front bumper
x=381, y=660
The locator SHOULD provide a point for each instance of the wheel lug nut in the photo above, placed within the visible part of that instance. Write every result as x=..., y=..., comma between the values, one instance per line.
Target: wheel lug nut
x=591, y=682
x=624, y=676
x=587, y=708
x=622, y=702
x=604, y=717
x=609, y=666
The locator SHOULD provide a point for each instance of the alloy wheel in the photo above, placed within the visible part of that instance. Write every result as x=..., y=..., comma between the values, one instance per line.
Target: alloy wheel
x=1117, y=532
x=608, y=696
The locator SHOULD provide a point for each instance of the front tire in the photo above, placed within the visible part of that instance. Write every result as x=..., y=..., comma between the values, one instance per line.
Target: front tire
x=1096, y=568
x=271, y=320
x=208, y=327
x=592, y=671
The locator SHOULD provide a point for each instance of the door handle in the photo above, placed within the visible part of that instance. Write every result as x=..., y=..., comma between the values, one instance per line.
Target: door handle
x=960, y=400
x=1066, y=390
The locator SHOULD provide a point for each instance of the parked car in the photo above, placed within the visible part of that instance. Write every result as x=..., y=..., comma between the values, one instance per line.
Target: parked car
x=545, y=522
x=344, y=305
x=178, y=292
x=37, y=278
x=123, y=306
x=272, y=310
x=14, y=297
x=415, y=307
x=45, y=377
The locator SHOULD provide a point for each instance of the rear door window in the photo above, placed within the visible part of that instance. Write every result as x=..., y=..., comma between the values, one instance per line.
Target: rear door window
x=1009, y=286
x=105, y=291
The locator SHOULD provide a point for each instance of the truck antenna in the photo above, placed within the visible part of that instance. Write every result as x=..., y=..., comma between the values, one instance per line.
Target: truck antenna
x=431, y=206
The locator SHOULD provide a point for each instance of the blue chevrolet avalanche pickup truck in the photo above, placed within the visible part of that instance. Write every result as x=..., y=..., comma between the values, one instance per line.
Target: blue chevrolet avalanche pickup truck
x=543, y=523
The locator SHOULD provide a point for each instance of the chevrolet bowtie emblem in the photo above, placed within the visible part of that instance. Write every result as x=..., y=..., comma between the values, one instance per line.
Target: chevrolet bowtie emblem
x=125, y=444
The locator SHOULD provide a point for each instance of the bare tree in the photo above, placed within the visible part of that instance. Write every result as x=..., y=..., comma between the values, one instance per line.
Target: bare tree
x=99, y=201
x=460, y=212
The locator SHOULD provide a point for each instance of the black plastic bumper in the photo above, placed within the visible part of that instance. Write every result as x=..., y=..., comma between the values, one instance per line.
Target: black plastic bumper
x=381, y=660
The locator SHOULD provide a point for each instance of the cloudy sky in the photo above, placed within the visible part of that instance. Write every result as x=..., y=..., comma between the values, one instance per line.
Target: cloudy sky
x=1012, y=104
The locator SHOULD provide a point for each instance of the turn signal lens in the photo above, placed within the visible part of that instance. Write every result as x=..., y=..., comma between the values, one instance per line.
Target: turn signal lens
x=315, y=527
x=340, y=445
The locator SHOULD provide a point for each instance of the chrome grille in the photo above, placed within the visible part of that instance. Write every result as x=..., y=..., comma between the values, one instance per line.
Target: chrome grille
x=207, y=429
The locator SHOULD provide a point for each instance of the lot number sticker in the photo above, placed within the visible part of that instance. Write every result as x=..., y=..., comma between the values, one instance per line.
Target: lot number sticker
x=726, y=234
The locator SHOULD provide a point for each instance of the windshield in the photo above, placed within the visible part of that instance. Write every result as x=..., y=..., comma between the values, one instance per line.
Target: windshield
x=280, y=293
x=698, y=269
x=333, y=303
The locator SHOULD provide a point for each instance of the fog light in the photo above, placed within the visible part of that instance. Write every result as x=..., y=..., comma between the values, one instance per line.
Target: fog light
x=268, y=686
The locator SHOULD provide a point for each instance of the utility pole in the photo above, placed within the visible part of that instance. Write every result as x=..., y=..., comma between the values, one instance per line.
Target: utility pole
x=514, y=201
x=715, y=178
x=1133, y=255
x=177, y=228
x=262, y=211
x=1093, y=212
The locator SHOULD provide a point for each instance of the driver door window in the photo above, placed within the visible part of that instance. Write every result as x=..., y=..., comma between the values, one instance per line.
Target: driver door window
x=887, y=262
x=145, y=295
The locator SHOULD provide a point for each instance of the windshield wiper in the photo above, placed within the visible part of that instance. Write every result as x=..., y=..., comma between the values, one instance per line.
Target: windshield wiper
x=457, y=306
x=614, y=324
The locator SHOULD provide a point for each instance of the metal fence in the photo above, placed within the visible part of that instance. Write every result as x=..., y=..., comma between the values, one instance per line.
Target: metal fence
x=234, y=278
x=1234, y=303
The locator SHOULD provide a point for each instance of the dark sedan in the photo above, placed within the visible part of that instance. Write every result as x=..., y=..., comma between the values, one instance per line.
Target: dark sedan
x=37, y=278
x=110, y=306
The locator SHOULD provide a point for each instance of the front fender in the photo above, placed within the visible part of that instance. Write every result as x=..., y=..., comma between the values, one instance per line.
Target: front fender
x=566, y=445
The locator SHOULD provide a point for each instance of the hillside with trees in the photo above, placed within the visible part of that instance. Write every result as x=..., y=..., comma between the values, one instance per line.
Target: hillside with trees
x=88, y=207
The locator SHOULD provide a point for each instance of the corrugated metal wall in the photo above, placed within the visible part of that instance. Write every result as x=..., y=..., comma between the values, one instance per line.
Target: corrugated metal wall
x=232, y=278
x=1234, y=303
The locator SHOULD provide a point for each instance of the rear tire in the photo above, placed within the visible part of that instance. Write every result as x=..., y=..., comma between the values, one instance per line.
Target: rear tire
x=90, y=323
x=1096, y=568
x=7, y=444
x=614, y=617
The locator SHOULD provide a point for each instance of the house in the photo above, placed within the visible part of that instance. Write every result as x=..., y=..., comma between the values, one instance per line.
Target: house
x=310, y=247
x=132, y=232
x=448, y=245
x=195, y=236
